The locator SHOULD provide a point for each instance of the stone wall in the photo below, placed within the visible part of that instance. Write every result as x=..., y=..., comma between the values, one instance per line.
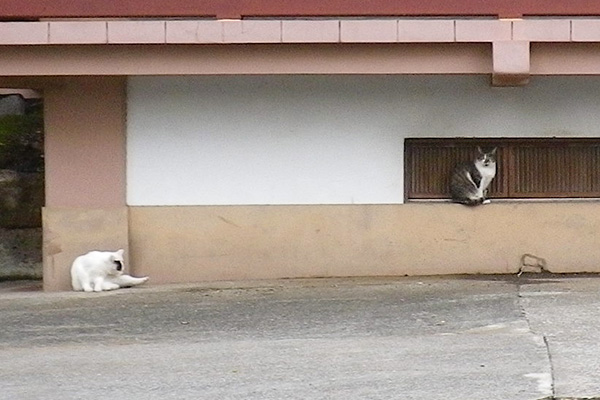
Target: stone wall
x=20, y=253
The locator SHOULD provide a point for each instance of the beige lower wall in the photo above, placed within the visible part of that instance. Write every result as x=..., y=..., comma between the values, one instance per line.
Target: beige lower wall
x=69, y=233
x=189, y=244
x=193, y=244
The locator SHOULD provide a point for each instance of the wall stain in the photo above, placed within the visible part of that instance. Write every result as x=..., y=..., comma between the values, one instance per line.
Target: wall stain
x=228, y=221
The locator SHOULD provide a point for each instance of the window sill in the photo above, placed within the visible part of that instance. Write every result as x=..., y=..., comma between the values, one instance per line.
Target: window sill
x=524, y=200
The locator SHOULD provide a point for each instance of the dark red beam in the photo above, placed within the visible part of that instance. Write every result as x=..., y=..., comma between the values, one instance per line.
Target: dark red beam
x=36, y=9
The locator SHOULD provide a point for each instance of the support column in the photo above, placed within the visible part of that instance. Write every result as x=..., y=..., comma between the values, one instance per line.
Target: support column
x=85, y=172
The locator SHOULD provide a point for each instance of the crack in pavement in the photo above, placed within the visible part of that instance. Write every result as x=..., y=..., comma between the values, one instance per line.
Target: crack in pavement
x=545, y=343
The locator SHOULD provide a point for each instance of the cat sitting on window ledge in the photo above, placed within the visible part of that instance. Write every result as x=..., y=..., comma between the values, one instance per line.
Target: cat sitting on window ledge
x=101, y=270
x=470, y=181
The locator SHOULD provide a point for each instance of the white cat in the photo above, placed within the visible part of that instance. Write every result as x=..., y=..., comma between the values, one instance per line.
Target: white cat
x=101, y=270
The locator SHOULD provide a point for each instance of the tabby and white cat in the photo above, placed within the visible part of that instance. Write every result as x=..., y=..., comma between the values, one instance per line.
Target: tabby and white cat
x=470, y=181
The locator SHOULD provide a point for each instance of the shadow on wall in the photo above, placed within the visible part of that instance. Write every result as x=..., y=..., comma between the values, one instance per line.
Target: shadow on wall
x=21, y=187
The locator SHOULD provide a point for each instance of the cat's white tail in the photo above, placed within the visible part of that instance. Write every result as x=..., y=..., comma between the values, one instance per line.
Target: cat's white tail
x=128, y=280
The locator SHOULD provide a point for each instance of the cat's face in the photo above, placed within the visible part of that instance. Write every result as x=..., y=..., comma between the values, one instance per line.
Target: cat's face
x=117, y=262
x=486, y=158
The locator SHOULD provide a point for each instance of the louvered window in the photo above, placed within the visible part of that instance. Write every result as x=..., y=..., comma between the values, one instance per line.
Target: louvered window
x=527, y=168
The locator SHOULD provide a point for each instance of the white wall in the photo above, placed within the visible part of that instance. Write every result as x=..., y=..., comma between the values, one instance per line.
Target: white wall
x=217, y=140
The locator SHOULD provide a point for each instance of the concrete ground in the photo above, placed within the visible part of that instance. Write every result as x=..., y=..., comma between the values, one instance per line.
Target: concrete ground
x=483, y=337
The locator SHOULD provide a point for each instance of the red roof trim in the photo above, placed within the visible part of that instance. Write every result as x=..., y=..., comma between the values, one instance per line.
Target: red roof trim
x=36, y=9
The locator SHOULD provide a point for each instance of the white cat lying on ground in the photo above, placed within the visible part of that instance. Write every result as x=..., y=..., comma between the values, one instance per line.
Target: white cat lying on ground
x=101, y=270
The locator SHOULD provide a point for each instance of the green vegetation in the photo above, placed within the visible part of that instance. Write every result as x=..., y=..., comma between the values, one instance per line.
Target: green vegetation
x=22, y=142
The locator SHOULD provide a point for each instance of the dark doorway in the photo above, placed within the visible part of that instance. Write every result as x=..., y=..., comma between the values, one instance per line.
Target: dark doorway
x=21, y=184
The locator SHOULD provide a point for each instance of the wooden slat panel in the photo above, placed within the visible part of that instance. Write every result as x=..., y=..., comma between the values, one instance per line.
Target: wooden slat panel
x=430, y=165
x=527, y=168
x=558, y=169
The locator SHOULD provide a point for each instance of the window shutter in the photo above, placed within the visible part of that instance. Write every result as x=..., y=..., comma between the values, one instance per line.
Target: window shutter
x=429, y=164
x=527, y=168
x=556, y=168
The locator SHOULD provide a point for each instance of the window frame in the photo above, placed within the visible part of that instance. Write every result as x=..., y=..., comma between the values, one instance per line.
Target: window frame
x=507, y=173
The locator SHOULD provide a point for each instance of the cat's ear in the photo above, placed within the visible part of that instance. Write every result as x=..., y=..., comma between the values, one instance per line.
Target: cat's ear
x=479, y=150
x=494, y=150
x=120, y=252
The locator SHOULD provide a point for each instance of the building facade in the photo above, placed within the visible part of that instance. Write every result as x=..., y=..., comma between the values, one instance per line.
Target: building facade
x=215, y=142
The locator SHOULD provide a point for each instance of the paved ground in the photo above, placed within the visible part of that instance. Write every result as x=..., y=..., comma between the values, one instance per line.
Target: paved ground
x=494, y=337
